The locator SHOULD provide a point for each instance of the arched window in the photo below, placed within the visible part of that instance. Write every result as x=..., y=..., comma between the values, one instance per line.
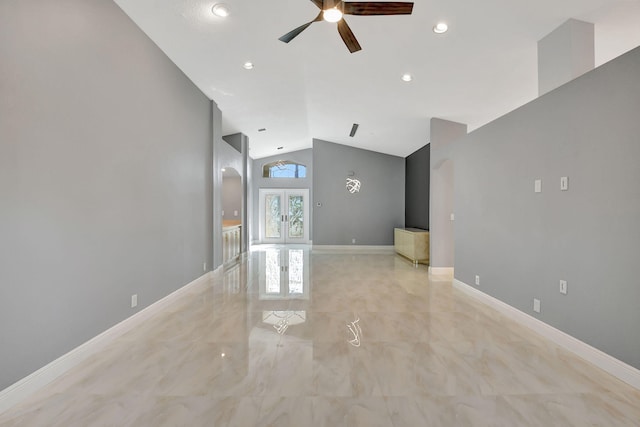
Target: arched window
x=284, y=169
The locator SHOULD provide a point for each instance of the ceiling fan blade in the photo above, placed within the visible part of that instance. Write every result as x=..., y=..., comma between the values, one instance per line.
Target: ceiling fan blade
x=317, y=3
x=377, y=8
x=294, y=33
x=348, y=37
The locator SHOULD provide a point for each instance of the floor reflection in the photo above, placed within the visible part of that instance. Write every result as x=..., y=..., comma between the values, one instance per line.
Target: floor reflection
x=289, y=336
x=281, y=320
x=283, y=273
x=356, y=331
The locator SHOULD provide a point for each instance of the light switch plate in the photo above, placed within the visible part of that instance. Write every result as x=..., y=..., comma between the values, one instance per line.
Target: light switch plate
x=564, y=183
x=536, y=305
x=452, y=217
x=537, y=186
x=563, y=287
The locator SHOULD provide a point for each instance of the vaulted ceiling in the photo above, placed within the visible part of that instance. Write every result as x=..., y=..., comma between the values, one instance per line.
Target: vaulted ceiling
x=313, y=87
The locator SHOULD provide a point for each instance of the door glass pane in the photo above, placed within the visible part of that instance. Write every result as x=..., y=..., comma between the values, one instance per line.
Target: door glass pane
x=296, y=216
x=273, y=271
x=273, y=221
x=296, y=270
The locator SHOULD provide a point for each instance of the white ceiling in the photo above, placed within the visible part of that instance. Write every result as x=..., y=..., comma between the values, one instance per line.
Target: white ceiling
x=482, y=68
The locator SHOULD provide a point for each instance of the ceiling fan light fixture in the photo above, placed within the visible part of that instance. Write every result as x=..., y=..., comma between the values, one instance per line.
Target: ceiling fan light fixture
x=220, y=9
x=440, y=28
x=332, y=15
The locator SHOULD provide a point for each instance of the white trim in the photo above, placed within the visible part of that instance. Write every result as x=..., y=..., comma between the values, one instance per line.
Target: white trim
x=602, y=360
x=353, y=248
x=444, y=272
x=30, y=384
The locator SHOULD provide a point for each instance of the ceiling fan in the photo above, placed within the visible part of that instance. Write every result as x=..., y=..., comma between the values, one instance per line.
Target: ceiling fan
x=333, y=10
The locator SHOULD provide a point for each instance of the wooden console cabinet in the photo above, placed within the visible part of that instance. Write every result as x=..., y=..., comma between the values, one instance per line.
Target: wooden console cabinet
x=412, y=243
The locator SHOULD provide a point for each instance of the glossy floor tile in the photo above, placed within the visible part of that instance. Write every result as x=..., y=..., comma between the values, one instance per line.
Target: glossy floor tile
x=291, y=337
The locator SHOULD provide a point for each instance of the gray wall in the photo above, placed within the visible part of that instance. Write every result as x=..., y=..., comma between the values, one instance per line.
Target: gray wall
x=219, y=148
x=304, y=157
x=416, y=193
x=368, y=216
x=232, y=198
x=443, y=134
x=105, y=177
x=522, y=243
x=564, y=54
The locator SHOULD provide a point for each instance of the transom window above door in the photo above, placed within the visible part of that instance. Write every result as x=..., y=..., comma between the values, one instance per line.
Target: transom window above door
x=284, y=169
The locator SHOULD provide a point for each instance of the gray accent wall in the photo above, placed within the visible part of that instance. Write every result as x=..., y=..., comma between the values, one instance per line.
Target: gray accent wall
x=368, y=216
x=105, y=177
x=416, y=193
x=232, y=198
x=521, y=243
x=304, y=157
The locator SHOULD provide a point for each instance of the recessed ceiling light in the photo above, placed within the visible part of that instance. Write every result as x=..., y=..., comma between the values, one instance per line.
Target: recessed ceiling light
x=407, y=77
x=440, y=28
x=248, y=65
x=332, y=15
x=221, y=10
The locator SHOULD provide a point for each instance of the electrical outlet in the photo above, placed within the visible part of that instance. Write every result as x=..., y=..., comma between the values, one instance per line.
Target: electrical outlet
x=134, y=300
x=477, y=280
x=564, y=183
x=452, y=217
x=204, y=266
x=536, y=305
x=353, y=241
x=563, y=287
x=235, y=213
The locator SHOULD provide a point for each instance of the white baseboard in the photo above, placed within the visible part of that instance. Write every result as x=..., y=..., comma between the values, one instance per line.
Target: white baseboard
x=607, y=363
x=354, y=248
x=32, y=383
x=444, y=272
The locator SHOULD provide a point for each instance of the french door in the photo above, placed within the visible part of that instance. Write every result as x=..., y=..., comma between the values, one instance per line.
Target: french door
x=284, y=215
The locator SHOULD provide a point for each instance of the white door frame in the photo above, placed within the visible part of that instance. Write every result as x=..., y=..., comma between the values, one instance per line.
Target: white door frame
x=284, y=193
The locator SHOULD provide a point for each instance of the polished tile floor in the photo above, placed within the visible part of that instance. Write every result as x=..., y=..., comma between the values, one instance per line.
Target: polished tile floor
x=293, y=338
